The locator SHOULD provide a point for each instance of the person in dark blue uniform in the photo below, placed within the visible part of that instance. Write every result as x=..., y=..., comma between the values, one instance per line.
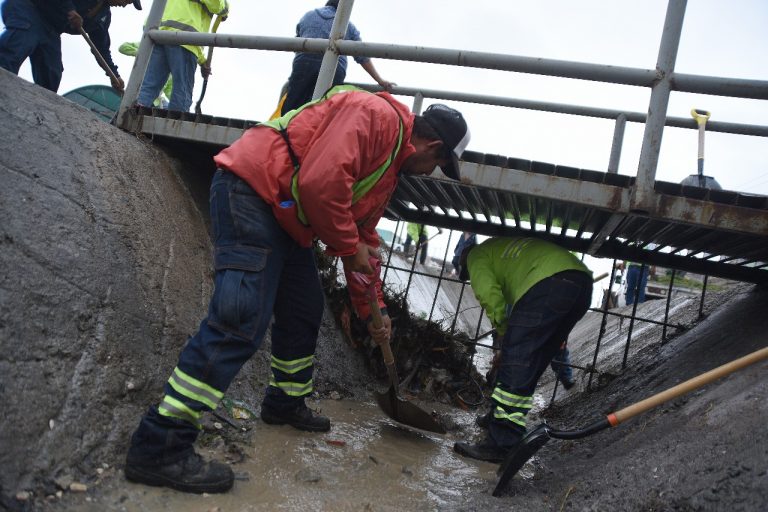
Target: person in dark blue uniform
x=33, y=31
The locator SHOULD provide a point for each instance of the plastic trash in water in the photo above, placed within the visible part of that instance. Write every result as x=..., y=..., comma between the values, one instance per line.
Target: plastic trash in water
x=238, y=409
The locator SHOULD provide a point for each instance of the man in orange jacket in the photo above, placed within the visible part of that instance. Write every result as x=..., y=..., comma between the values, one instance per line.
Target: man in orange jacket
x=326, y=171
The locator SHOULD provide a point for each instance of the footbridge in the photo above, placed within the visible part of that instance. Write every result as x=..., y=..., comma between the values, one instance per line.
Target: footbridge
x=690, y=227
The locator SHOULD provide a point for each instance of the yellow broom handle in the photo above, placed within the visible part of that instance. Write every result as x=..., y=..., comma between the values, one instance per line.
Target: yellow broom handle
x=687, y=386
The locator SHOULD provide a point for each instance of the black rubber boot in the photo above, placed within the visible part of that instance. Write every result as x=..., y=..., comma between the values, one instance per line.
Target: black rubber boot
x=567, y=382
x=301, y=418
x=485, y=450
x=192, y=474
x=484, y=420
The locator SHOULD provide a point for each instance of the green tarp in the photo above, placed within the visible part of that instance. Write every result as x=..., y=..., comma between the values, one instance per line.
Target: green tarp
x=102, y=100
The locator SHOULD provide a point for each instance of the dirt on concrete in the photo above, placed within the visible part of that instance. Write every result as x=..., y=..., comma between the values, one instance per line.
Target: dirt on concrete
x=105, y=271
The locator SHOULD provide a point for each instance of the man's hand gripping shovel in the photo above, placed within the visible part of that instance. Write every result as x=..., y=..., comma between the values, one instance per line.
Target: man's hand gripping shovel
x=395, y=407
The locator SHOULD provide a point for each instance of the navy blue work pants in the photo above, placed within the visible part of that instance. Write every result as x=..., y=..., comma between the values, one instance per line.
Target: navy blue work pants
x=27, y=35
x=301, y=83
x=538, y=324
x=261, y=272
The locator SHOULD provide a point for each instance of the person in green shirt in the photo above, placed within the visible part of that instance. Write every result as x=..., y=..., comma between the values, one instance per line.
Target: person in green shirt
x=549, y=290
x=421, y=235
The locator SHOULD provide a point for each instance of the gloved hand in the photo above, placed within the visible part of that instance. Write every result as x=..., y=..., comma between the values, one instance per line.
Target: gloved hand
x=382, y=334
x=359, y=262
x=74, y=19
x=205, y=70
x=118, y=85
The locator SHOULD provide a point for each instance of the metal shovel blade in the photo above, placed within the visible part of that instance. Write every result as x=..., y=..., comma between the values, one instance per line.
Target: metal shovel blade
x=407, y=413
x=521, y=454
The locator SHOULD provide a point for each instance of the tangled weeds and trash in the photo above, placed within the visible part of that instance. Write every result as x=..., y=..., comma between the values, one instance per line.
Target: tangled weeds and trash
x=432, y=363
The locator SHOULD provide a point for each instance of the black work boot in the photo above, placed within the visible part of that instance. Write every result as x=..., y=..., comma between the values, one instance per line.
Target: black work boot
x=484, y=420
x=485, y=450
x=192, y=474
x=567, y=382
x=302, y=418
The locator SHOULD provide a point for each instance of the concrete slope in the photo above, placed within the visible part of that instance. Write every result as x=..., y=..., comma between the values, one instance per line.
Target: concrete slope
x=105, y=272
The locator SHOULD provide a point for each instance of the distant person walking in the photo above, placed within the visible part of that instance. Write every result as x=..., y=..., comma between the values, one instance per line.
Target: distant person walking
x=317, y=23
x=420, y=234
x=33, y=30
x=467, y=240
x=180, y=62
x=637, y=280
x=549, y=290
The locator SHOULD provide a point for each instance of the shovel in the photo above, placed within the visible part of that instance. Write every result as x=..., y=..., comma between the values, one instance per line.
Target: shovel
x=700, y=180
x=395, y=407
x=539, y=436
x=198, y=109
x=99, y=58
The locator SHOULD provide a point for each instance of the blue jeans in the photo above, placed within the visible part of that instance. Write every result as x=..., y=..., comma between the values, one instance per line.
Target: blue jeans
x=181, y=64
x=301, y=83
x=536, y=328
x=28, y=35
x=260, y=272
x=637, y=279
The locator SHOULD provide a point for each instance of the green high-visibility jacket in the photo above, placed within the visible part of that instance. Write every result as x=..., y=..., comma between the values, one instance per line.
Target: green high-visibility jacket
x=192, y=16
x=501, y=270
x=415, y=229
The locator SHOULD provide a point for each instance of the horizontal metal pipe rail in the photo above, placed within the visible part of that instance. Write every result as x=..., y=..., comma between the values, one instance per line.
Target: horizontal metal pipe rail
x=721, y=86
x=577, y=110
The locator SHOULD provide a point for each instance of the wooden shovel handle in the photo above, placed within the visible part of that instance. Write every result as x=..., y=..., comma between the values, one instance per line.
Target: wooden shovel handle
x=687, y=386
x=378, y=322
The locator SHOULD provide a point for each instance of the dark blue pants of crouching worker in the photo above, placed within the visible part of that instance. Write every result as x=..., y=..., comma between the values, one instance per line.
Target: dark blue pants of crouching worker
x=537, y=326
x=260, y=272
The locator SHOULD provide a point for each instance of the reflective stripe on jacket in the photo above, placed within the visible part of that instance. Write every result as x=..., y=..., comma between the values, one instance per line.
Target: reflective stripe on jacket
x=192, y=16
x=339, y=141
x=359, y=187
x=416, y=230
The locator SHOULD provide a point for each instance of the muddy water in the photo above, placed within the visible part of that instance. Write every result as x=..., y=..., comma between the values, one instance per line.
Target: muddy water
x=366, y=462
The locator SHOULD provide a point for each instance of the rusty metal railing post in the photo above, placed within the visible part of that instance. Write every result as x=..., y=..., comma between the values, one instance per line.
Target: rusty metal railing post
x=618, y=142
x=643, y=194
x=331, y=55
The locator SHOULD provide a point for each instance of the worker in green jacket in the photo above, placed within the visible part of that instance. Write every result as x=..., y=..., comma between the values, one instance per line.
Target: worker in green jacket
x=549, y=290
x=180, y=61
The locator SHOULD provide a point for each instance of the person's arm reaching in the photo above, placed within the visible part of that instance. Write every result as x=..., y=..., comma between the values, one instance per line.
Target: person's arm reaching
x=371, y=70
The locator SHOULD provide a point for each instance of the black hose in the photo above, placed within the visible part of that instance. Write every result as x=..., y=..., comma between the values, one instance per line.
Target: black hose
x=581, y=433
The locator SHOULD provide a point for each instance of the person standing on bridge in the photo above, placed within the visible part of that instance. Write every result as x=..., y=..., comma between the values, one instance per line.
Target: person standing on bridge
x=325, y=171
x=549, y=290
x=180, y=62
x=33, y=30
x=317, y=23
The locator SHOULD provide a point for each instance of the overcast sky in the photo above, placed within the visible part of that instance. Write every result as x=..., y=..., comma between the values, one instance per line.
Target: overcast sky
x=727, y=39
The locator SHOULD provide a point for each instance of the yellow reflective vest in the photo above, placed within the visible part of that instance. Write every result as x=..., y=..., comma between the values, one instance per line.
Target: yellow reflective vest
x=192, y=16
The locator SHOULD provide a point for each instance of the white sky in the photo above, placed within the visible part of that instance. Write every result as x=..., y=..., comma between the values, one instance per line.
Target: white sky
x=726, y=39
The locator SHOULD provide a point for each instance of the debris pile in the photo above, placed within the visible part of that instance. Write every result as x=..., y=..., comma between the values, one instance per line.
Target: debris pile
x=433, y=364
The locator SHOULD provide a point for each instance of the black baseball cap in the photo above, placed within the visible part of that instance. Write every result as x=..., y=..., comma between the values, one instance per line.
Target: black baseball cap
x=137, y=4
x=453, y=131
